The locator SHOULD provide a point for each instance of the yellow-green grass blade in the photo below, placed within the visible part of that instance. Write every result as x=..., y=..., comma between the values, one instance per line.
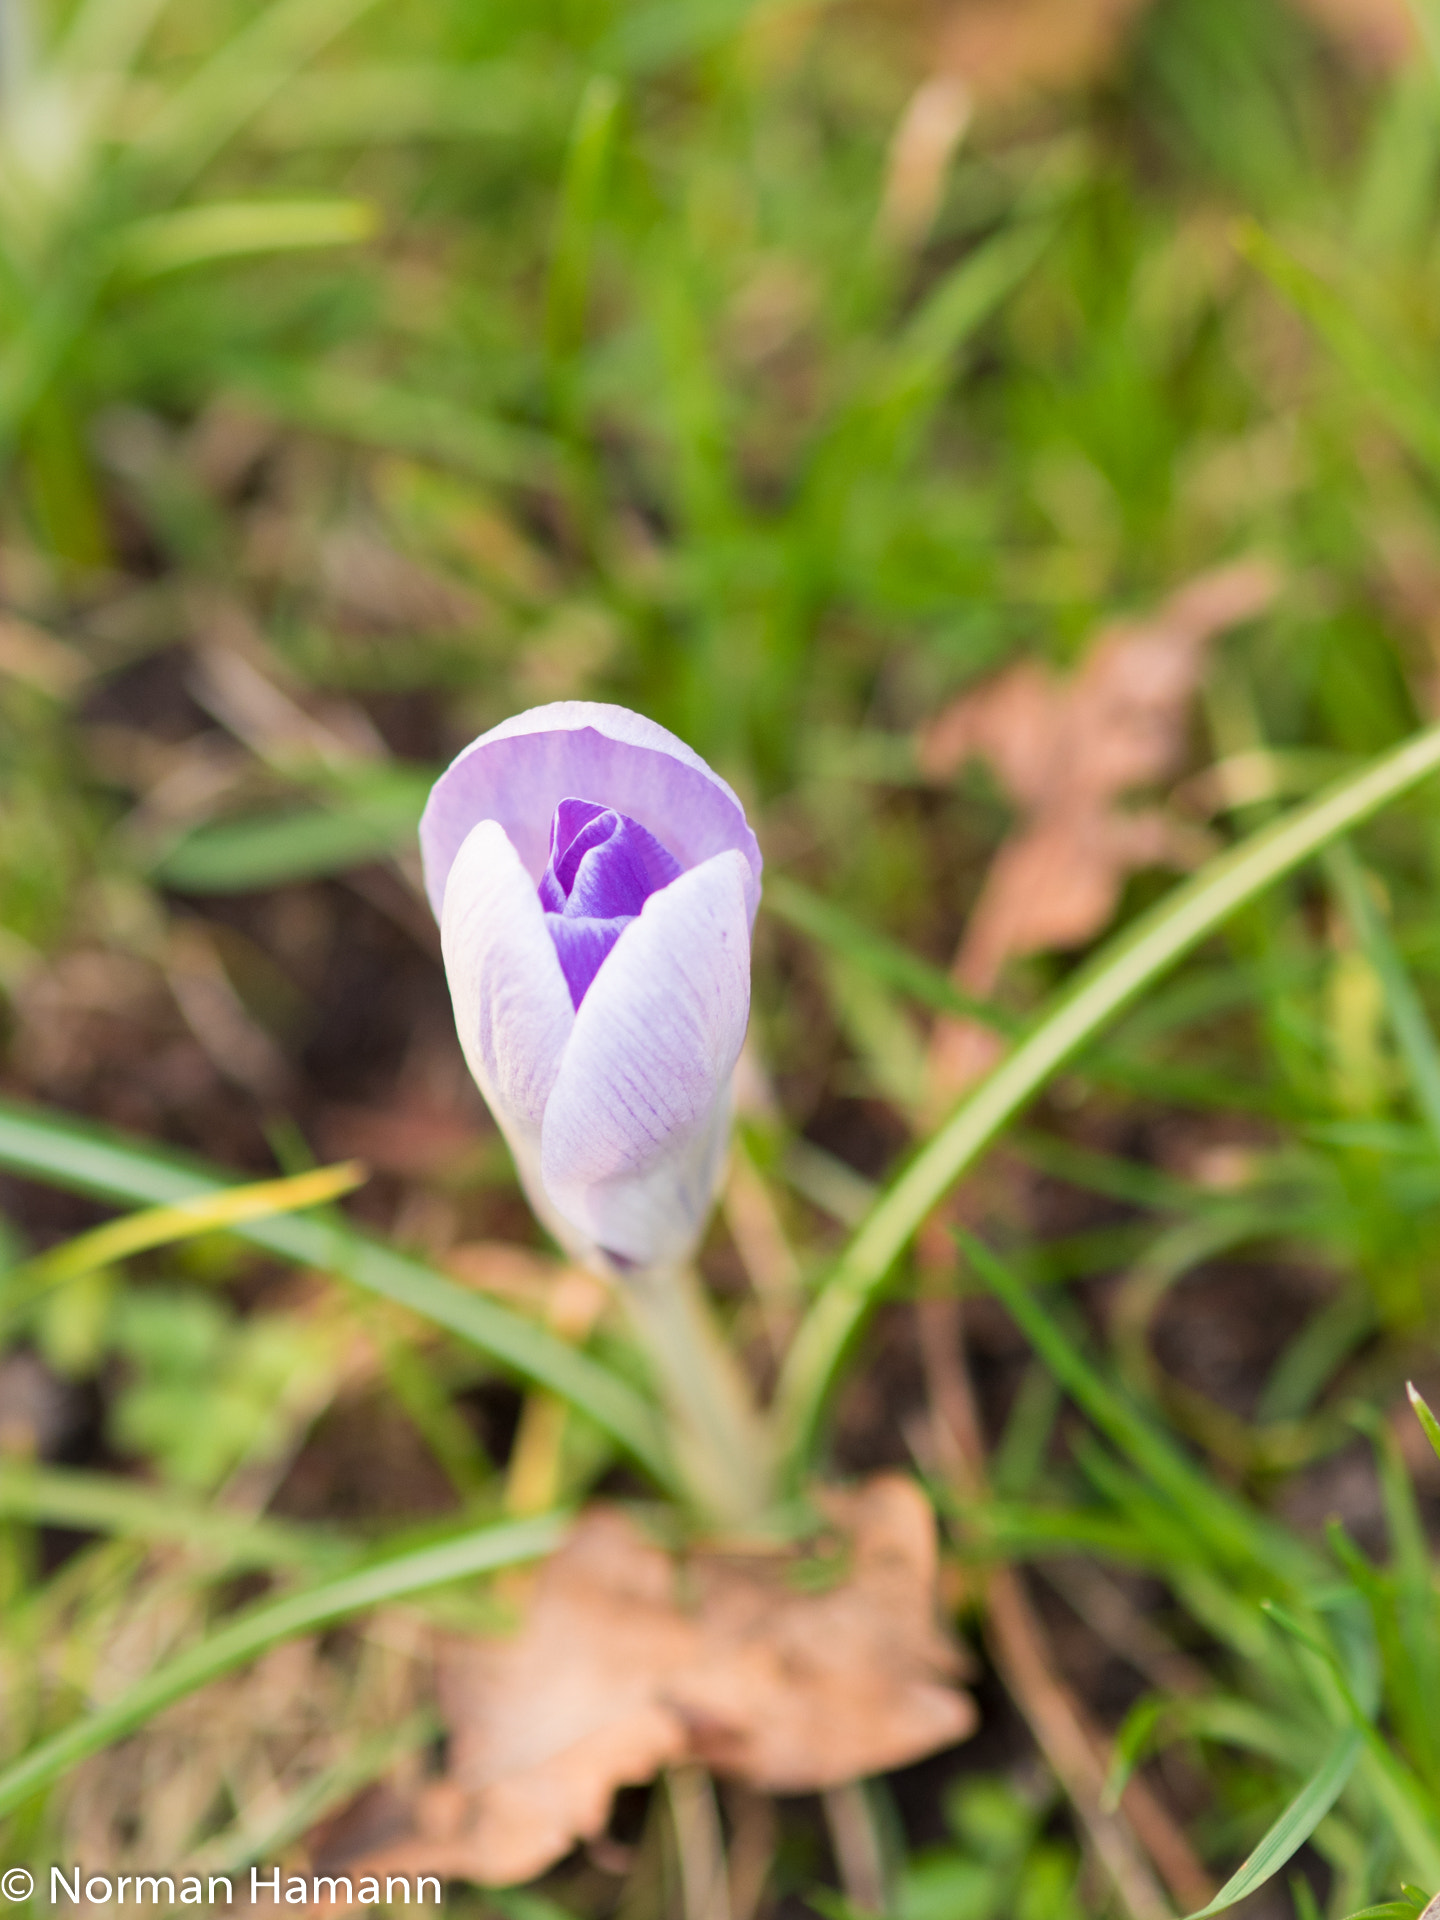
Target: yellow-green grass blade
x=1390, y=1780
x=185, y=1219
x=233, y=229
x=66, y=1153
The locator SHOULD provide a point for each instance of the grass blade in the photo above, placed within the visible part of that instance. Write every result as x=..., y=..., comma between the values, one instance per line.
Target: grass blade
x=106, y=36
x=888, y=962
x=881, y=423
x=62, y=1151
x=1234, y=1532
x=160, y=1226
x=362, y=104
x=1293, y=1828
x=1306, y=1905
x=1426, y=15
x=1424, y=1416
x=203, y=113
x=1408, y=1020
x=335, y=400
x=233, y=229
x=1397, y=1790
x=108, y=1503
x=1122, y=970
x=241, y=1639
x=271, y=1831
x=581, y=196
x=294, y=843
x=1391, y=377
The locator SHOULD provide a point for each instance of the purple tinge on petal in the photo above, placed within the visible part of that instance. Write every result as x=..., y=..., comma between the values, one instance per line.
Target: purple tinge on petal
x=603, y=867
x=519, y=772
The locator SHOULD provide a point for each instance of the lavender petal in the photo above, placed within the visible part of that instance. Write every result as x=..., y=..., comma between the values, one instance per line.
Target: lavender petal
x=521, y=771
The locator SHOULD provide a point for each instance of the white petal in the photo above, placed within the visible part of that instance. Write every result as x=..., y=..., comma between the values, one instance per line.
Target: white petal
x=635, y=1128
x=512, y=1006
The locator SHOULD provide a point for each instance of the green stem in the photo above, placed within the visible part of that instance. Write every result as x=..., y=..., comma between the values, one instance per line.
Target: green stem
x=721, y=1445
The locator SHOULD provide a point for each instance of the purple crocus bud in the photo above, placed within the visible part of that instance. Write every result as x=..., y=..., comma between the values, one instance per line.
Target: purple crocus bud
x=596, y=885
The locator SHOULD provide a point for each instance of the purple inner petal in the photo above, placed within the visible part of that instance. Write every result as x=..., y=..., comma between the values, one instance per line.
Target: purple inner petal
x=603, y=867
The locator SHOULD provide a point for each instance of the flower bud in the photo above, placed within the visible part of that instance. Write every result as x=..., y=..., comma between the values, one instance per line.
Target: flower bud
x=596, y=885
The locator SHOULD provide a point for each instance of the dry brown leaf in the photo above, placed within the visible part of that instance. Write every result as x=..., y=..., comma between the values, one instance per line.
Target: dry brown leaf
x=37, y=1408
x=32, y=654
x=1067, y=751
x=631, y=1659
x=226, y=444
x=1002, y=49
x=1379, y=33
x=929, y=130
x=82, y=1010
x=1055, y=883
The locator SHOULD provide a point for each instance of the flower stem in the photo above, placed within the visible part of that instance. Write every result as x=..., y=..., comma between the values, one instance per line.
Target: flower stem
x=723, y=1449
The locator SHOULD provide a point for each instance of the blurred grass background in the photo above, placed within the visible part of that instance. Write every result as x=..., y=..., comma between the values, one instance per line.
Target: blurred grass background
x=781, y=370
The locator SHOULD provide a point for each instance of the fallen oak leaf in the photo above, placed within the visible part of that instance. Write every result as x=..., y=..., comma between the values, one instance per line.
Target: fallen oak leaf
x=32, y=654
x=1068, y=751
x=1130, y=693
x=631, y=1659
x=921, y=148
x=1053, y=885
x=1003, y=49
x=1379, y=34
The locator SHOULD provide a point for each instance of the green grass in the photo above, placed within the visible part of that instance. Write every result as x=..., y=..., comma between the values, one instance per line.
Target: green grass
x=369, y=373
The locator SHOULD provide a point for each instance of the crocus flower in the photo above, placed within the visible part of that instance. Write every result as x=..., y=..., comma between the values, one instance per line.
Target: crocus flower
x=596, y=884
